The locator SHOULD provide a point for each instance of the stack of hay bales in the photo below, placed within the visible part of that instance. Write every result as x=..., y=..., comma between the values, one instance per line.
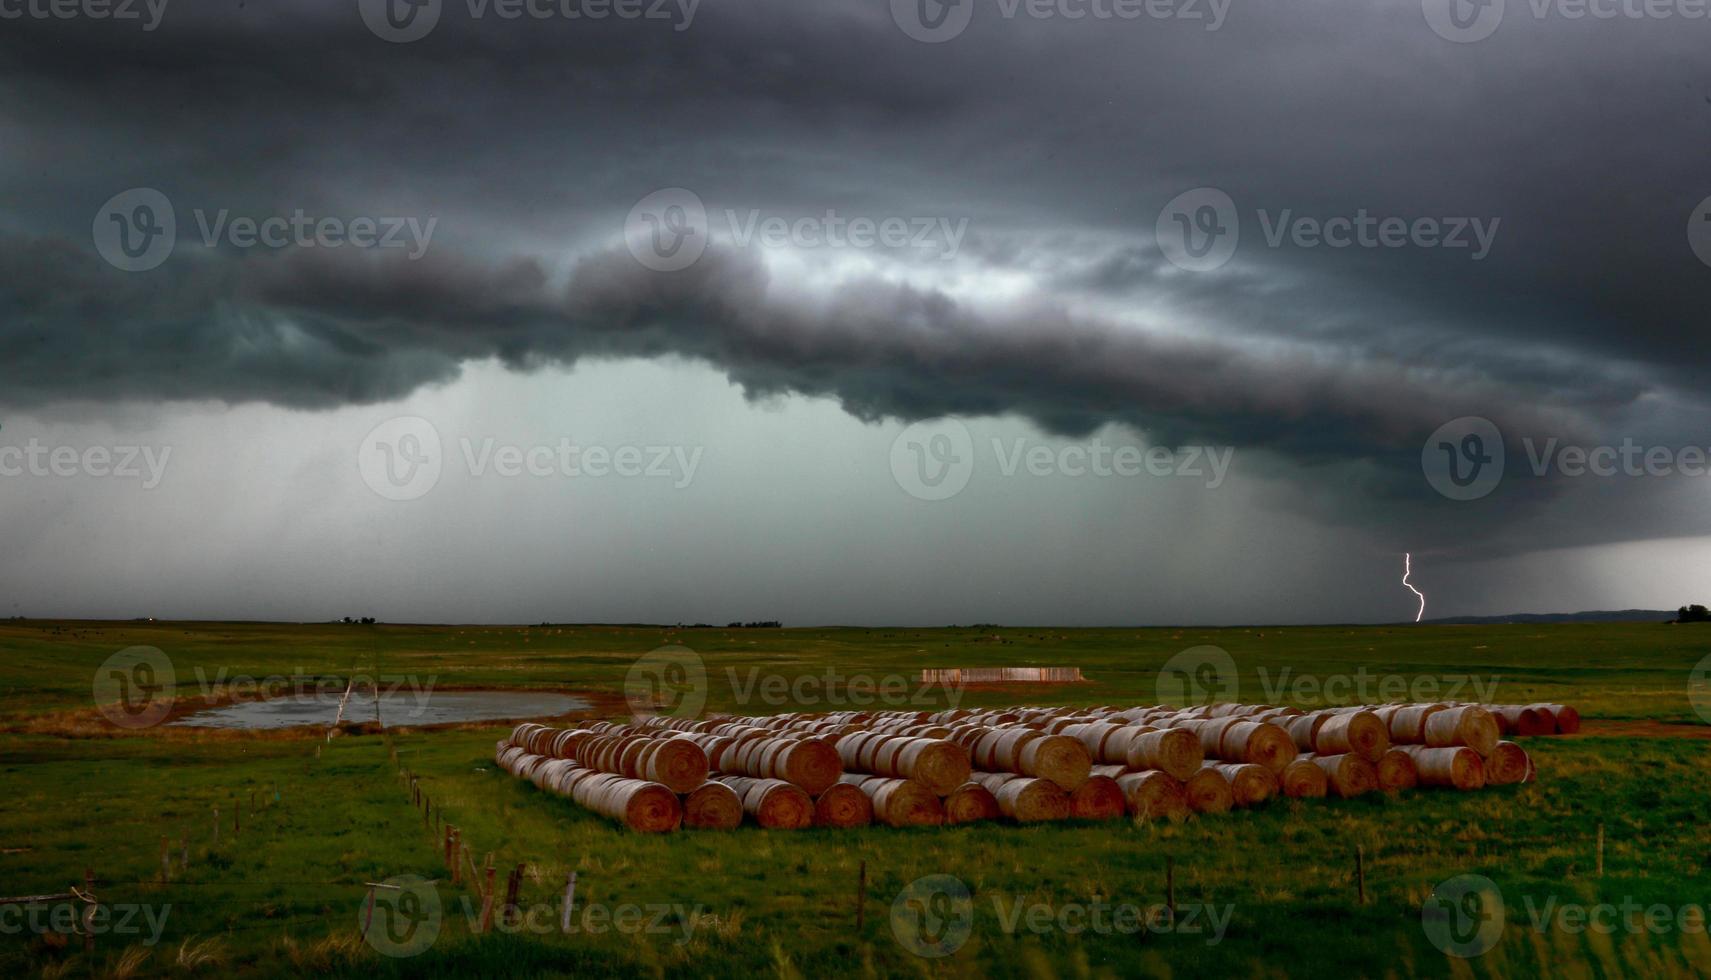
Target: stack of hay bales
x=1022, y=764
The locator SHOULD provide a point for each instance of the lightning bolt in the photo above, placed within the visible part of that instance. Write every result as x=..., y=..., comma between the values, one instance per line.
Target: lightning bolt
x=1407, y=570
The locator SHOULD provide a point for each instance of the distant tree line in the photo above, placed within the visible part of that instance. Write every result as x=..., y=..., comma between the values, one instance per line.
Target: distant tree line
x=365, y=621
x=770, y=624
x=1693, y=614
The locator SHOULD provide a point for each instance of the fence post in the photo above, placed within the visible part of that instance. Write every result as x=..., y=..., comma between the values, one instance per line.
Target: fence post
x=1360, y=874
x=216, y=826
x=165, y=859
x=89, y=911
x=1600, y=849
x=861, y=901
x=512, y=883
x=487, y=896
x=1170, y=885
x=368, y=912
x=569, y=899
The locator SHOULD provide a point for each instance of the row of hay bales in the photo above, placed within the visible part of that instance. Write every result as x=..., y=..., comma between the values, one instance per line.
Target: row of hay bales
x=1023, y=764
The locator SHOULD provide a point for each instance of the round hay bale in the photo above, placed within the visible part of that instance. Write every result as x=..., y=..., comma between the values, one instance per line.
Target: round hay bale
x=641, y=806
x=1208, y=791
x=1258, y=742
x=1507, y=764
x=903, y=802
x=1211, y=734
x=843, y=805
x=1094, y=735
x=1005, y=749
x=1304, y=729
x=939, y=764
x=1059, y=758
x=1176, y=751
x=1028, y=799
x=1349, y=775
x=1457, y=767
x=773, y=803
x=675, y=762
x=1567, y=718
x=1359, y=732
x=1154, y=794
x=1468, y=725
x=1523, y=719
x=712, y=806
x=970, y=803
x=1396, y=771
x=1408, y=723
x=1097, y=798
x=1302, y=779
x=1250, y=784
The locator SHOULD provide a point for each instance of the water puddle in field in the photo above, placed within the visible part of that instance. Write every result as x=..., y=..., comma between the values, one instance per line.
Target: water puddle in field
x=397, y=708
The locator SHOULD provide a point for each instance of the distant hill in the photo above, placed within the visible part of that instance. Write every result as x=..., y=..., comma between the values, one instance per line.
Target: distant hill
x=1599, y=616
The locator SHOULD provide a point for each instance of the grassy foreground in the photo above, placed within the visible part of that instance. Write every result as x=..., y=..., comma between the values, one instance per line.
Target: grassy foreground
x=1263, y=892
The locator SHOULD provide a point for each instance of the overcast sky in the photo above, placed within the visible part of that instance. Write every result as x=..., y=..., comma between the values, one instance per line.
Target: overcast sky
x=853, y=311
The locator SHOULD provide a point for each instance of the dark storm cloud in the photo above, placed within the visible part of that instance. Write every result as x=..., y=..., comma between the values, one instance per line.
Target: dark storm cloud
x=1059, y=141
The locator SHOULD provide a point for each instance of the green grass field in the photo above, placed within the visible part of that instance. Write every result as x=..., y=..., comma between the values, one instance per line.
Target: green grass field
x=285, y=894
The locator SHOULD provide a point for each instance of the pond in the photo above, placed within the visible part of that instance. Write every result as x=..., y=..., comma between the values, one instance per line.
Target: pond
x=397, y=708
